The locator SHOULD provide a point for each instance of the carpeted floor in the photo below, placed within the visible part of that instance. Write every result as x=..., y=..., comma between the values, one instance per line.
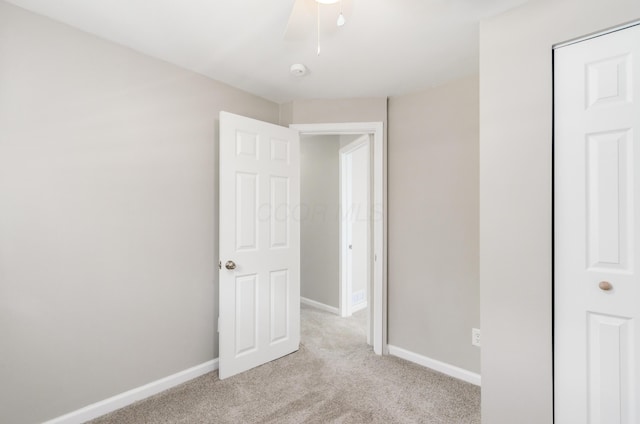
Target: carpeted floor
x=334, y=378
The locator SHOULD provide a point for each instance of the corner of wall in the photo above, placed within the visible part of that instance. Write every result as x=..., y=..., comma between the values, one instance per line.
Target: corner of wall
x=286, y=114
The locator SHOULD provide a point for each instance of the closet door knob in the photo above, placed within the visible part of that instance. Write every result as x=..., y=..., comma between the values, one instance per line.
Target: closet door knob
x=605, y=285
x=230, y=265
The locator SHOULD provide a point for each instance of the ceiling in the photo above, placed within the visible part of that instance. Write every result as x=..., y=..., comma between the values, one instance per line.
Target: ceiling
x=386, y=47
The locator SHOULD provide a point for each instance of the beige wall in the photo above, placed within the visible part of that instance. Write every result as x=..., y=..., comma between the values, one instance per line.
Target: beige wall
x=320, y=219
x=433, y=223
x=334, y=110
x=108, y=198
x=515, y=193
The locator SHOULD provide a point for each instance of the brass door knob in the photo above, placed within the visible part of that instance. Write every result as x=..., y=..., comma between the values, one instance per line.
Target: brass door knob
x=605, y=285
x=230, y=265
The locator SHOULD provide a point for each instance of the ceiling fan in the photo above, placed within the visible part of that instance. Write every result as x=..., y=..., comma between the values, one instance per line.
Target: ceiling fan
x=312, y=17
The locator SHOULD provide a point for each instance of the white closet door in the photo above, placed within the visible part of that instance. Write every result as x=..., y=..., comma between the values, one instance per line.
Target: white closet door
x=597, y=286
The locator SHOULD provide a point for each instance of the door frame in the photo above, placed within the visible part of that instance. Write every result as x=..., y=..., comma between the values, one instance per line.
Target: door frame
x=345, y=280
x=378, y=305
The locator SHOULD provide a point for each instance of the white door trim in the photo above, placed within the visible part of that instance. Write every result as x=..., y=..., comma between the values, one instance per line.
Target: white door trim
x=596, y=34
x=379, y=303
x=345, y=282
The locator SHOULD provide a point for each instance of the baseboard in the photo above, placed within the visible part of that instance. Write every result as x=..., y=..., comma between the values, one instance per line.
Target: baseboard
x=319, y=305
x=121, y=400
x=450, y=370
x=360, y=306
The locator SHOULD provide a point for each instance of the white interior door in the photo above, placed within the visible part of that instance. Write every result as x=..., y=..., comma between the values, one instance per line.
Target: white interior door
x=597, y=293
x=259, y=243
x=356, y=213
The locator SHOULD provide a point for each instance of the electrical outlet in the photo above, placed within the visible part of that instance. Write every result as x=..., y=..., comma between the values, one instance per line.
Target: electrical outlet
x=475, y=337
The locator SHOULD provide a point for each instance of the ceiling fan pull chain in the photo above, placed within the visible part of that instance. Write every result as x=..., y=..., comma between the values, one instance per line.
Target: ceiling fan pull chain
x=341, y=21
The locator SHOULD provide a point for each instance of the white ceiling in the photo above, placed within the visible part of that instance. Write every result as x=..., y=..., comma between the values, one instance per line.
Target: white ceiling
x=387, y=47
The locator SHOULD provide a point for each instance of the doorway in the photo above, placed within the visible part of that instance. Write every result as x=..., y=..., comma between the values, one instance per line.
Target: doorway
x=376, y=297
x=335, y=224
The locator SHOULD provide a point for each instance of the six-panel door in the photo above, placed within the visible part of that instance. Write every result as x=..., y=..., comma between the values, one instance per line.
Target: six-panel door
x=260, y=234
x=597, y=177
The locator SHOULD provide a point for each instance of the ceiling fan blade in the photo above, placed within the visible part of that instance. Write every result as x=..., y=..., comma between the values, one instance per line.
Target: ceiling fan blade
x=302, y=20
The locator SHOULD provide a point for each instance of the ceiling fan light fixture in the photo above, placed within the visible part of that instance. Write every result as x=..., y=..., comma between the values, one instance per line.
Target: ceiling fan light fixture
x=341, y=21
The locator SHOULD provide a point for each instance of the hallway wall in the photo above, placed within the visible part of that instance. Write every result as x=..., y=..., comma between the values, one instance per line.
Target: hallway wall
x=320, y=219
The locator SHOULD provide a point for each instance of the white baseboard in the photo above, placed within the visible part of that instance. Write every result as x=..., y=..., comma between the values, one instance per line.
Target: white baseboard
x=358, y=307
x=319, y=305
x=121, y=400
x=450, y=370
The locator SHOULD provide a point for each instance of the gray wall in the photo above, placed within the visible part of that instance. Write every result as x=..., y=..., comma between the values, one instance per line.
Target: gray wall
x=108, y=198
x=334, y=110
x=433, y=223
x=320, y=219
x=515, y=193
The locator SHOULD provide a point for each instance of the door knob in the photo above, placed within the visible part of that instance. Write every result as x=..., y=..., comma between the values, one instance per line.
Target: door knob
x=230, y=265
x=605, y=285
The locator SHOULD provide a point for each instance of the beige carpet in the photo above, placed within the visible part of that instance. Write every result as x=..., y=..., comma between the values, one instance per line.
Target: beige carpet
x=334, y=378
